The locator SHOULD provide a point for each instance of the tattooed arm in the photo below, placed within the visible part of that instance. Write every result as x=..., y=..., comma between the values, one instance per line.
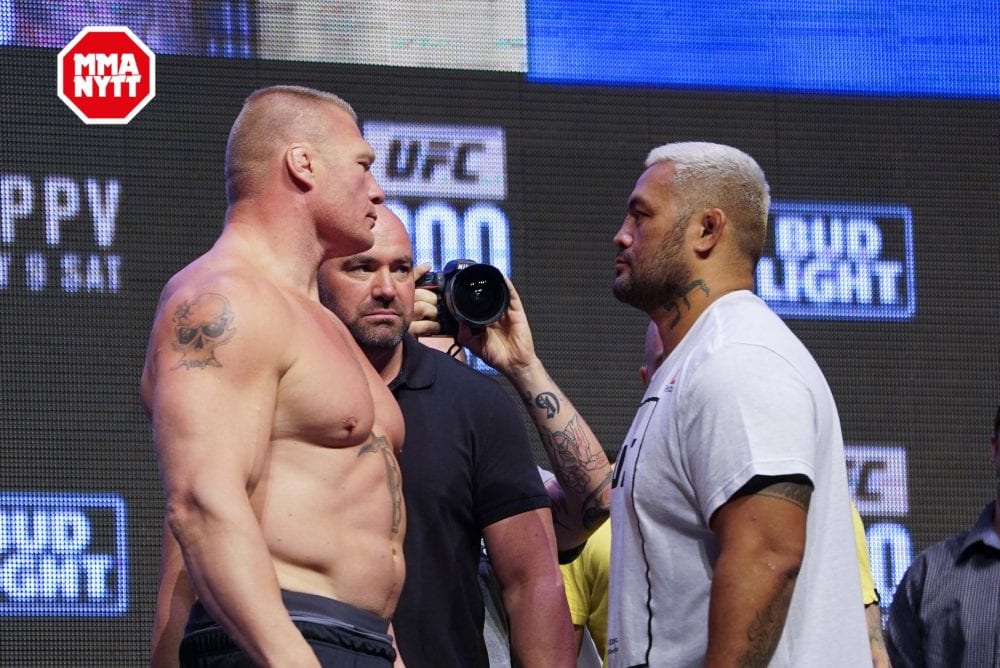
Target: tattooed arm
x=581, y=497
x=211, y=365
x=762, y=537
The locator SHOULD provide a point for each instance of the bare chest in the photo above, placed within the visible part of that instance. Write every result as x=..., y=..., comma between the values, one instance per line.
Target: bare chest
x=325, y=395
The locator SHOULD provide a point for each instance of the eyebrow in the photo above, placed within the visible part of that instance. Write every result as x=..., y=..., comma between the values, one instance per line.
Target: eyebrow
x=364, y=259
x=637, y=200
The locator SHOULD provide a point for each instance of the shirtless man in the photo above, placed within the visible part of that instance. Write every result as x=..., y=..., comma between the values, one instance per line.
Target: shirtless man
x=275, y=436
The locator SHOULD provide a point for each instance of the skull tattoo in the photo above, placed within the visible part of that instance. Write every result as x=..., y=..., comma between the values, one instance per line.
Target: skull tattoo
x=201, y=326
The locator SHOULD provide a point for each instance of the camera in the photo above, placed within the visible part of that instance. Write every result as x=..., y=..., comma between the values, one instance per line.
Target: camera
x=469, y=292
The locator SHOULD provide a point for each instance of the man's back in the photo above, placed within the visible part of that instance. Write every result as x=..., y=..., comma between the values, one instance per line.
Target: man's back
x=946, y=610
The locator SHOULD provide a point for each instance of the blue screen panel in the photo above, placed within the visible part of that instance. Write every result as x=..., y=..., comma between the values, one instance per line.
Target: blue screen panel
x=884, y=47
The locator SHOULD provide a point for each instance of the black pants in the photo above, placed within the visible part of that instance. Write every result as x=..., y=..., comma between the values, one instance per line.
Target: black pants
x=341, y=635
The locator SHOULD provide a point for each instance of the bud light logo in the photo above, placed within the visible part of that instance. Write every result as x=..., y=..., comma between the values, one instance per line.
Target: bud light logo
x=63, y=555
x=839, y=261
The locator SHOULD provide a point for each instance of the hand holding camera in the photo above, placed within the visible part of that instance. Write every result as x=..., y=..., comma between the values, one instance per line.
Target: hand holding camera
x=484, y=314
x=468, y=292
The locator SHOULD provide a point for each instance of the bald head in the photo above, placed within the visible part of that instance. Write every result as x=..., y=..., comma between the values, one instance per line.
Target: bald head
x=390, y=231
x=270, y=120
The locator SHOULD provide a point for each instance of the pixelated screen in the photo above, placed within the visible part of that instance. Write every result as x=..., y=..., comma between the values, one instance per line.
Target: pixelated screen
x=510, y=133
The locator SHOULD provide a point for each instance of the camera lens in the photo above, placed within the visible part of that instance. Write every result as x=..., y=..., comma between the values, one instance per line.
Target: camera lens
x=478, y=295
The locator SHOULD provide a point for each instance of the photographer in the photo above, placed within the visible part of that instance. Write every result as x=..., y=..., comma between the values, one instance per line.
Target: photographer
x=581, y=491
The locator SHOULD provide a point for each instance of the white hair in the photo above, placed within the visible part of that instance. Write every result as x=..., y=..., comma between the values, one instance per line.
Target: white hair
x=715, y=175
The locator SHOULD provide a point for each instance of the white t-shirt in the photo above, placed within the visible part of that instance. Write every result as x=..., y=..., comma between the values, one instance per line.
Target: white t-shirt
x=739, y=397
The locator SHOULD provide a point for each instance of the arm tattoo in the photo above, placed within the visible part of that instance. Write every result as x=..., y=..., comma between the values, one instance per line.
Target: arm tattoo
x=570, y=452
x=201, y=326
x=595, y=512
x=380, y=445
x=796, y=493
x=765, y=630
x=568, y=449
x=549, y=403
x=682, y=295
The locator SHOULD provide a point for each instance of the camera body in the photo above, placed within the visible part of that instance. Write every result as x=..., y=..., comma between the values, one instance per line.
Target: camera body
x=469, y=292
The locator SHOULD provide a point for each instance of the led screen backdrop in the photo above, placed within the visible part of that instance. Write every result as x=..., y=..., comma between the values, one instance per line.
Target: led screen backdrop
x=882, y=256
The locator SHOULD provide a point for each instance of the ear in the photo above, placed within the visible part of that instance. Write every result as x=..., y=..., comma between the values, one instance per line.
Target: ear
x=707, y=230
x=644, y=375
x=301, y=166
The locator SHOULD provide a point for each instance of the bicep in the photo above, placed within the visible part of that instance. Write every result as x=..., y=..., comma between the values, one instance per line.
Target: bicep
x=212, y=398
x=766, y=514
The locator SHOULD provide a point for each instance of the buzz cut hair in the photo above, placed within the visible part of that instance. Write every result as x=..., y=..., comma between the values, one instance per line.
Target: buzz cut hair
x=268, y=116
x=715, y=175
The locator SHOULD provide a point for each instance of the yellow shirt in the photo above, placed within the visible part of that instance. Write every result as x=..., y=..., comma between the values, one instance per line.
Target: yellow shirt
x=868, y=593
x=586, y=582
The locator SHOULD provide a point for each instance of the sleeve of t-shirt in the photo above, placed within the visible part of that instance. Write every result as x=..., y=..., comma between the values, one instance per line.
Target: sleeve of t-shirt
x=506, y=480
x=746, y=412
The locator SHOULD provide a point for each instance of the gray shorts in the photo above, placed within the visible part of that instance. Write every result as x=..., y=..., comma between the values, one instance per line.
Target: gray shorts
x=340, y=634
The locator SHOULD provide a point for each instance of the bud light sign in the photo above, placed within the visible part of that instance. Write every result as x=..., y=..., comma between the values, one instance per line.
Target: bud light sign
x=839, y=261
x=63, y=555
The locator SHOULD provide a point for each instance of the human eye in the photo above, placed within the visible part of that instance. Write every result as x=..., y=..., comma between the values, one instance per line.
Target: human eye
x=359, y=268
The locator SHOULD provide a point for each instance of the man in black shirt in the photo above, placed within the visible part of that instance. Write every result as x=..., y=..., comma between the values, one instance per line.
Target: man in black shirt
x=468, y=473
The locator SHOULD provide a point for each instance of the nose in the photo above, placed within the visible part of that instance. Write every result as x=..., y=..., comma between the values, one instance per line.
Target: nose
x=623, y=237
x=383, y=287
x=375, y=192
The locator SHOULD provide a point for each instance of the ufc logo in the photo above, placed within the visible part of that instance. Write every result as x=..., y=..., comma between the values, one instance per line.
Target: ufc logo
x=406, y=160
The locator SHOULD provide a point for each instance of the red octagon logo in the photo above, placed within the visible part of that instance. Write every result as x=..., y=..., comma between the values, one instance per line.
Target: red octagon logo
x=106, y=75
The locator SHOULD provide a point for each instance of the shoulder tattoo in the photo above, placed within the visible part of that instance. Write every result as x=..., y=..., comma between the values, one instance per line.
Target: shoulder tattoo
x=200, y=326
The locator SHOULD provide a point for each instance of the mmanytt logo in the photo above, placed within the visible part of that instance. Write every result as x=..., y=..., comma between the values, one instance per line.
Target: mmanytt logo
x=63, y=555
x=844, y=261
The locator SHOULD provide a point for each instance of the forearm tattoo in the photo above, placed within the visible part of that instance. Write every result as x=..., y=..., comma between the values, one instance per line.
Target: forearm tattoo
x=682, y=296
x=765, y=630
x=549, y=403
x=201, y=326
x=595, y=512
x=570, y=451
x=380, y=445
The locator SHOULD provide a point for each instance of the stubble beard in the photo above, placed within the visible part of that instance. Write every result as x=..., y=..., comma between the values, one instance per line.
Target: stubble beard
x=653, y=283
x=377, y=337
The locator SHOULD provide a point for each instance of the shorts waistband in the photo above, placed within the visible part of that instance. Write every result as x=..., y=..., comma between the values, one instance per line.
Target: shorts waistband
x=307, y=608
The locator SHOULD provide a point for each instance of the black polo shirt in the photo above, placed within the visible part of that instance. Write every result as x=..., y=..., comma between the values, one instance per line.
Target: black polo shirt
x=466, y=464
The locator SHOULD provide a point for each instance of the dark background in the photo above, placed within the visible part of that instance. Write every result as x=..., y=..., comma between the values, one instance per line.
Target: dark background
x=71, y=420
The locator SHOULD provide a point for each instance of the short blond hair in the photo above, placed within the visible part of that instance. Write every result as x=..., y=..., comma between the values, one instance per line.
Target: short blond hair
x=269, y=118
